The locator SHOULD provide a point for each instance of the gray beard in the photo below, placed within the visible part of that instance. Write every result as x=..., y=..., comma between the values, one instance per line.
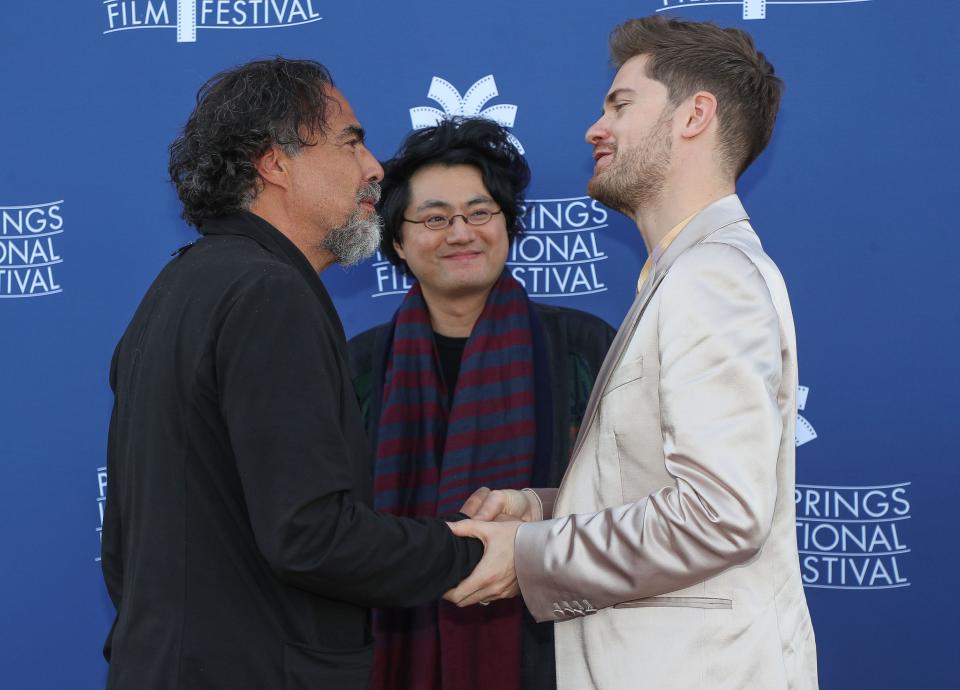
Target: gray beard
x=355, y=240
x=635, y=177
x=359, y=236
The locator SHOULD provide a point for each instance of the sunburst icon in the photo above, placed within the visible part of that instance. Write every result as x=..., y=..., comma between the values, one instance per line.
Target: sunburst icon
x=470, y=104
x=805, y=431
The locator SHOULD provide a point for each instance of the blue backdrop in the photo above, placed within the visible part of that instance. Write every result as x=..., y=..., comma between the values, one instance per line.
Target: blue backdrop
x=850, y=199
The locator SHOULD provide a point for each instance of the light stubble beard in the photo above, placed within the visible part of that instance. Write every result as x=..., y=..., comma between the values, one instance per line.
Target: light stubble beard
x=360, y=235
x=635, y=177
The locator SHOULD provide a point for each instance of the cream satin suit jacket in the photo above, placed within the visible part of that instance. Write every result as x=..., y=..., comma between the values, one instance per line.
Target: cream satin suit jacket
x=670, y=561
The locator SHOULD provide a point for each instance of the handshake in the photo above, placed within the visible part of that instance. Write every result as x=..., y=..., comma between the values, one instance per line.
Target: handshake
x=495, y=517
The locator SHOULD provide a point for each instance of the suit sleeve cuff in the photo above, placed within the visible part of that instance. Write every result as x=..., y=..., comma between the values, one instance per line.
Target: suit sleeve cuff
x=546, y=498
x=531, y=544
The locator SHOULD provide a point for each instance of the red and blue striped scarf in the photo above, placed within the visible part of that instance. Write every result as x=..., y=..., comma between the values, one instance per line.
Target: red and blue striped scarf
x=430, y=459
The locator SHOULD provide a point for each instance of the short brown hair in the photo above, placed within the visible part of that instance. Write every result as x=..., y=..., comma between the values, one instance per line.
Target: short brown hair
x=687, y=57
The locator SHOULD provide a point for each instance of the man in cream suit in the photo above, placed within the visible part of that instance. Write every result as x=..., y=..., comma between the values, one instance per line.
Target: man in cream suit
x=668, y=555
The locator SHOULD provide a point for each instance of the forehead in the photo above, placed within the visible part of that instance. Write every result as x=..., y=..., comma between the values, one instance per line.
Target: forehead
x=632, y=75
x=454, y=183
x=339, y=112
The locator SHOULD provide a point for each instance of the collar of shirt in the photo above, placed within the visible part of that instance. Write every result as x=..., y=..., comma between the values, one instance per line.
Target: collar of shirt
x=252, y=226
x=661, y=248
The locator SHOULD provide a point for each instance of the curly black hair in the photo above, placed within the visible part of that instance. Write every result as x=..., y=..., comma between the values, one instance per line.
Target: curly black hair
x=481, y=143
x=240, y=113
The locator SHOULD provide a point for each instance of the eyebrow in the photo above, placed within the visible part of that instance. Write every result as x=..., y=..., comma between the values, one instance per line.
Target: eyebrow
x=437, y=203
x=352, y=132
x=433, y=203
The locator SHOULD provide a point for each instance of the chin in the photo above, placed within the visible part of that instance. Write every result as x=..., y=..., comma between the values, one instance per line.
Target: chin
x=597, y=184
x=468, y=284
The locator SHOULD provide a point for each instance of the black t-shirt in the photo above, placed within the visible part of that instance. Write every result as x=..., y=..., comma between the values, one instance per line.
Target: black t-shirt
x=450, y=351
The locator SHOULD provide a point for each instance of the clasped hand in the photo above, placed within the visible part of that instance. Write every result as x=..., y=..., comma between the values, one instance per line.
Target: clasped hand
x=495, y=519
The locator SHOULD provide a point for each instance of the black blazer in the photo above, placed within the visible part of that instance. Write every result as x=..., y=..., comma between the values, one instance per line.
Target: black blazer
x=239, y=545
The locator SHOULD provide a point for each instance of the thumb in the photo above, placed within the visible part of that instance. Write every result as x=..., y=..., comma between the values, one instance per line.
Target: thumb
x=475, y=501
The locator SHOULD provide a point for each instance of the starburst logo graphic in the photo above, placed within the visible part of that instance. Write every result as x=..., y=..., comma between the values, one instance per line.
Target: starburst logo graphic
x=752, y=9
x=469, y=104
x=805, y=431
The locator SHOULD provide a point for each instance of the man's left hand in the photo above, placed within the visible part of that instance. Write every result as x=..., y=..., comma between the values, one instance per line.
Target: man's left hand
x=495, y=577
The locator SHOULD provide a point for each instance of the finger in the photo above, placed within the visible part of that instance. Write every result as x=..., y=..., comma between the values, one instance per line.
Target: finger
x=494, y=504
x=472, y=504
x=479, y=580
x=476, y=598
x=464, y=528
x=473, y=590
x=493, y=592
x=465, y=589
x=469, y=528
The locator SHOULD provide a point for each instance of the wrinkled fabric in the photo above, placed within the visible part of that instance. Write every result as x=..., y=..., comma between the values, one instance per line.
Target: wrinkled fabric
x=670, y=560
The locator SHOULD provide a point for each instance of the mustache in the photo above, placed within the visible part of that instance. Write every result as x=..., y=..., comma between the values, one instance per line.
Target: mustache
x=369, y=192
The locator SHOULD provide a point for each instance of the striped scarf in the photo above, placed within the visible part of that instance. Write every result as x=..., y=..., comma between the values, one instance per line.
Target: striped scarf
x=430, y=459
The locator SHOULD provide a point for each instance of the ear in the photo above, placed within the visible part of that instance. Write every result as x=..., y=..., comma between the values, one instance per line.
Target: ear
x=700, y=111
x=398, y=248
x=273, y=167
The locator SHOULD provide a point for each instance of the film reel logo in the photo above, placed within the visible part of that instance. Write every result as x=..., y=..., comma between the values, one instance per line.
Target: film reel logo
x=805, y=431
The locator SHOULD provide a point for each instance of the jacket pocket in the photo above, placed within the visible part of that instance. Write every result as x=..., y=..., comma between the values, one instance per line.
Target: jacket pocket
x=625, y=373
x=686, y=602
x=305, y=668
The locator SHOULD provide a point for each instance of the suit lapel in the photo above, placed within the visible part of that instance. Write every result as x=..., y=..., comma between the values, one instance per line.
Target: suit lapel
x=717, y=215
x=614, y=355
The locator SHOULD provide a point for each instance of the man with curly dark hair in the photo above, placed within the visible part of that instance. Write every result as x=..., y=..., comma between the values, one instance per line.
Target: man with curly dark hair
x=470, y=384
x=240, y=547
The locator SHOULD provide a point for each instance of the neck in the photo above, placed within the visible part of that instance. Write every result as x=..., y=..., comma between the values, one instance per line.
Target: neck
x=278, y=217
x=455, y=317
x=677, y=202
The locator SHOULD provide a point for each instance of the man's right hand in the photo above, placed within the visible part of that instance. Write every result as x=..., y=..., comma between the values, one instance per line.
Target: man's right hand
x=502, y=504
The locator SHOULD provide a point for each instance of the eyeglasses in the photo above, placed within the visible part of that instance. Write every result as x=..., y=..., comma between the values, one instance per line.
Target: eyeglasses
x=481, y=216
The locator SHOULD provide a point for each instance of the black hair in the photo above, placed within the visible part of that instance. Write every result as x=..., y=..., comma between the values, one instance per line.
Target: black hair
x=480, y=143
x=240, y=113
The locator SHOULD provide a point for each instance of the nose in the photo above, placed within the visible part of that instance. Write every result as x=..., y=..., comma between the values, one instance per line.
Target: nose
x=460, y=231
x=597, y=132
x=372, y=170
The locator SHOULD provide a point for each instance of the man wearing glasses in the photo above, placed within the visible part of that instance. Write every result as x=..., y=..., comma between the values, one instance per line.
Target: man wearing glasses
x=470, y=384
